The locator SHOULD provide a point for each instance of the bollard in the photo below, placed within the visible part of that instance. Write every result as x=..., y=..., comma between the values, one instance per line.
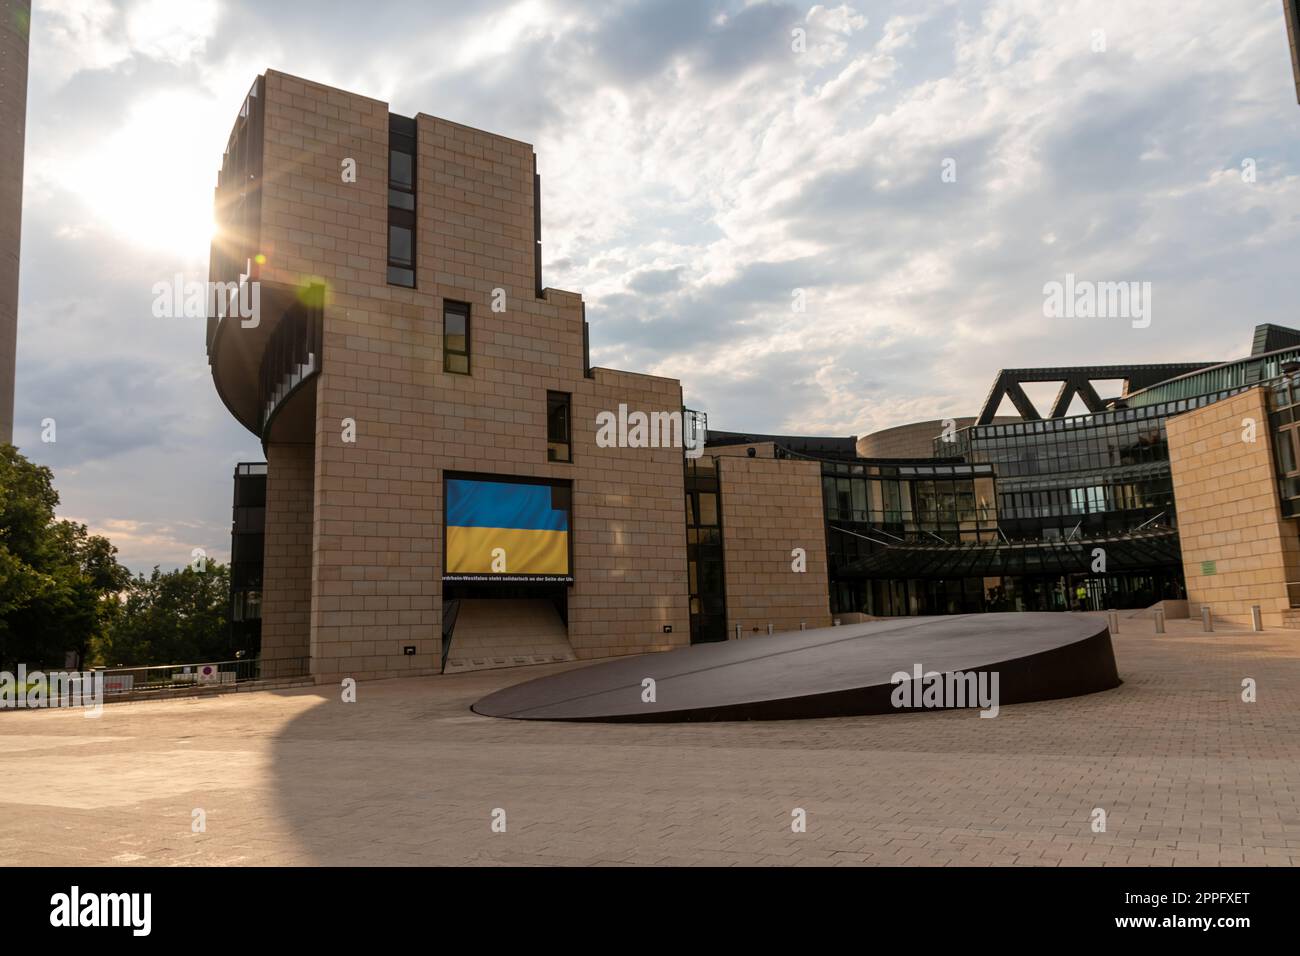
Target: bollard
x=1256, y=619
x=769, y=628
x=737, y=632
x=1160, y=620
x=803, y=625
x=1112, y=620
x=1207, y=618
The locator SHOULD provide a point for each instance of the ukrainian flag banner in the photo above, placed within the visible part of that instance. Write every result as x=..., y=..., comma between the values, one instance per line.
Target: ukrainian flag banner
x=506, y=529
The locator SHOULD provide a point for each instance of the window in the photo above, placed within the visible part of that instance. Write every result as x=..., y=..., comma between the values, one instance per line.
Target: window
x=401, y=201
x=455, y=337
x=558, y=440
x=400, y=242
x=1286, y=452
x=401, y=168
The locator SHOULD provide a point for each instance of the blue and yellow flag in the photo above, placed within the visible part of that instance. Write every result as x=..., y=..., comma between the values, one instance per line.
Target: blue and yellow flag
x=520, y=519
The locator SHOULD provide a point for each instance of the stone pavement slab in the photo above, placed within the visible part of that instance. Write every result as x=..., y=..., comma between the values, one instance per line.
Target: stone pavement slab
x=1186, y=772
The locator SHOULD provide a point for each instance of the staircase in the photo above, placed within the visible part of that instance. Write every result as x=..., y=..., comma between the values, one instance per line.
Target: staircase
x=507, y=632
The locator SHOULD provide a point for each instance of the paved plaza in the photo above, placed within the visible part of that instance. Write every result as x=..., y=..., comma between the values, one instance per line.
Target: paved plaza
x=1186, y=772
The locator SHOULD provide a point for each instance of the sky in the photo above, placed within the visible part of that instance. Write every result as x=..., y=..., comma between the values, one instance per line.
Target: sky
x=822, y=219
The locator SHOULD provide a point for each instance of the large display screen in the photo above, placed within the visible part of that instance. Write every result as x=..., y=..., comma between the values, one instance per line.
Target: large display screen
x=506, y=530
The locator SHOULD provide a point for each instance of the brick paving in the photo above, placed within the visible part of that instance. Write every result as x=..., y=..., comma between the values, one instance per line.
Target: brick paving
x=1186, y=772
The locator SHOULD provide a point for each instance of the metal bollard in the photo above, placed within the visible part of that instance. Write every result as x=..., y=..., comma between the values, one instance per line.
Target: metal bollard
x=1160, y=620
x=1256, y=619
x=769, y=628
x=737, y=632
x=803, y=625
x=1207, y=618
x=1112, y=621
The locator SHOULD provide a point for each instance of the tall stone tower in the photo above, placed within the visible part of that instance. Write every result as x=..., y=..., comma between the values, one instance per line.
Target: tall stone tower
x=15, y=30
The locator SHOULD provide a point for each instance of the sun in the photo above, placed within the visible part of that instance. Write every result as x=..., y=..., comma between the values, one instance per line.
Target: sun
x=150, y=181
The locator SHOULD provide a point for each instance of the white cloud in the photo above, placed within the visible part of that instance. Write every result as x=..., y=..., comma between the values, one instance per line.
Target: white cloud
x=174, y=31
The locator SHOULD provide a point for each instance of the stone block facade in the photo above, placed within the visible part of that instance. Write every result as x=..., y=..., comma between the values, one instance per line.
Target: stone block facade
x=770, y=507
x=286, y=559
x=354, y=538
x=1237, y=548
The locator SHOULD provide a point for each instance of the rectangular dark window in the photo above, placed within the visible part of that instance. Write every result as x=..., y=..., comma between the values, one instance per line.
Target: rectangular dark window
x=559, y=441
x=401, y=241
x=455, y=337
x=401, y=169
x=401, y=201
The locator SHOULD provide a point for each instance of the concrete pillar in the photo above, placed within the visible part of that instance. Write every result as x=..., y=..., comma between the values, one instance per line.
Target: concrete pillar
x=15, y=30
x=286, y=559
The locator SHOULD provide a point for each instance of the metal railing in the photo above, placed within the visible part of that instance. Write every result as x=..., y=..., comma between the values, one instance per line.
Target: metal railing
x=292, y=354
x=130, y=680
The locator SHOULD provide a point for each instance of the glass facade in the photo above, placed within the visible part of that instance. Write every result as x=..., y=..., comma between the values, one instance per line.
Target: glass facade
x=875, y=505
x=1089, y=474
x=248, y=523
x=238, y=201
x=948, y=502
x=1227, y=378
x=1284, y=423
x=401, y=200
x=1017, y=525
x=708, y=595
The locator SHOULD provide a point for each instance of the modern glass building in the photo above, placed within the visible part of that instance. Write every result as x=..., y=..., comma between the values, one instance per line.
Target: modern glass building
x=1064, y=512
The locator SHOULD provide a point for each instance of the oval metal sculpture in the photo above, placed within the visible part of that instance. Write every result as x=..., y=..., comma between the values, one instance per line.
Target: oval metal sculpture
x=877, y=667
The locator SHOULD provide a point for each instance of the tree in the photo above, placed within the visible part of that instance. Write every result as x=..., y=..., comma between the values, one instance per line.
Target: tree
x=171, y=617
x=58, y=582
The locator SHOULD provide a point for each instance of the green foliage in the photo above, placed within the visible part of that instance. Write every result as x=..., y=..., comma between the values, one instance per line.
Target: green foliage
x=170, y=617
x=62, y=589
x=58, y=583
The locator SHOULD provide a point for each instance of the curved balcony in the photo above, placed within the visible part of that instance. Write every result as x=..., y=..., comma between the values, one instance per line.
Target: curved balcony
x=287, y=376
x=263, y=337
x=265, y=366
